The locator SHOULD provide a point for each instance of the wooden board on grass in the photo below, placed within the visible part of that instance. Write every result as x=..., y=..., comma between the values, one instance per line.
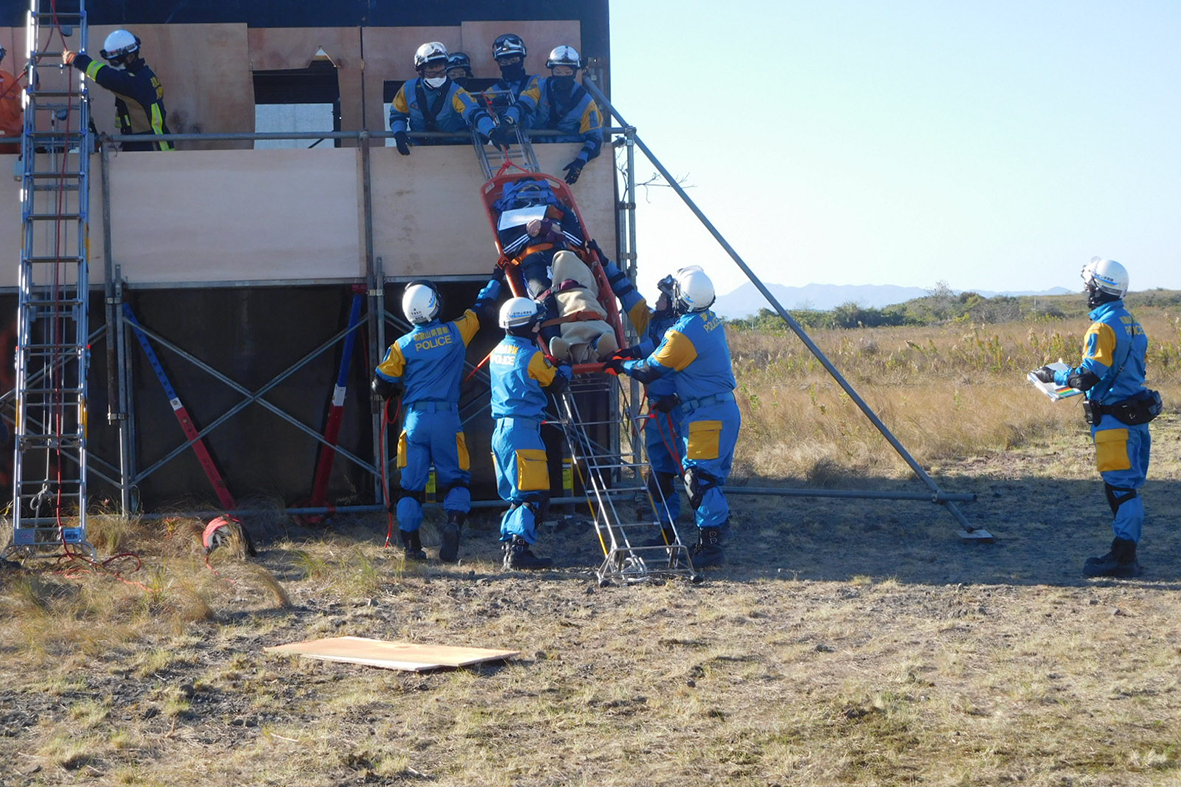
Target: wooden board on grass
x=392, y=655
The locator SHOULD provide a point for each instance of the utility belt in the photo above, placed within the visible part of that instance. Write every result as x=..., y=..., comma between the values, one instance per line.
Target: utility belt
x=704, y=401
x=1133, y=411
x=432, y=406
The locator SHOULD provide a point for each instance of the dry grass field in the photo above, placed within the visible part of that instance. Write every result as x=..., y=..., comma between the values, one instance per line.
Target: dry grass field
x=845, y=643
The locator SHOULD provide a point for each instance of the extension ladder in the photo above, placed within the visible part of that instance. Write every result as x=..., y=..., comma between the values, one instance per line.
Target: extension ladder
x=520, y=152
x=614, y=480
x=49, y=463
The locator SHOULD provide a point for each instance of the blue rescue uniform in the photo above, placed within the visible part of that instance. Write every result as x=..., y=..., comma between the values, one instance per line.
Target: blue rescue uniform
x=573, y=113
x=695, y=348
x=517, y=99
x=428, y=361
x=139, y=99
x=663, y=431
x=1114, y=350
x=519, y=372
x=450, y=108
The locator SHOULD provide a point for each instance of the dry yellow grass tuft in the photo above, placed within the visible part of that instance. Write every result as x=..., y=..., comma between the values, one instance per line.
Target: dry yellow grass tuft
x=945, y=392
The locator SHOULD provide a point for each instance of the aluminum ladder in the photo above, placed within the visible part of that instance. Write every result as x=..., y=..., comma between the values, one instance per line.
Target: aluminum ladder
x=492, y=158
x=52, y=353
x=627, y=513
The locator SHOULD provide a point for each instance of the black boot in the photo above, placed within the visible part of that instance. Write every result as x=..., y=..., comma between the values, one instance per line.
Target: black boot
x=1119, y=562
x=517, y=555
x=412, y=545
x=708, y=549
x=449, y=550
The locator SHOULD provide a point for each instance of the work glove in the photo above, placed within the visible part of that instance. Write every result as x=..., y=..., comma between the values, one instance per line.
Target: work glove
x=503, y=135
x=498, y=273
x=383, y=388
x=627, y=354
x=566, y=370
x=1044, y=374
x=664, y=404
x=573, y=170
x=613, y=366
x=402, y=140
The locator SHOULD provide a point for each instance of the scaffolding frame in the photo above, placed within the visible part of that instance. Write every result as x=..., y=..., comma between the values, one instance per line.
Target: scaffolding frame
x=375, y=282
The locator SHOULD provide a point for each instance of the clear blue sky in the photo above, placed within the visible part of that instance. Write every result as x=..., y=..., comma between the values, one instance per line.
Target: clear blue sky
x=993, y=145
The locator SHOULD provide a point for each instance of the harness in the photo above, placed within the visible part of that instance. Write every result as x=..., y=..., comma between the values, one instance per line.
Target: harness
x=557, y=112
x=430, y=114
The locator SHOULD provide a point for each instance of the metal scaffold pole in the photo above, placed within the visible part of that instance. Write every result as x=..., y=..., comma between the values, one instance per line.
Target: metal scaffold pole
x=968, y=531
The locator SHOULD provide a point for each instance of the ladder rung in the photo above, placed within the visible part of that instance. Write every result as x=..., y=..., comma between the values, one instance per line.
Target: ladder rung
x=54, y=216
x=57, y=16
x=50, y=260
x=56, y=135
x=62, y=187
x=40, y=303
x=35, y=94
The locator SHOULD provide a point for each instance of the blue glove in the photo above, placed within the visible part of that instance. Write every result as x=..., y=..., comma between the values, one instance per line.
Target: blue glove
x=566, y=371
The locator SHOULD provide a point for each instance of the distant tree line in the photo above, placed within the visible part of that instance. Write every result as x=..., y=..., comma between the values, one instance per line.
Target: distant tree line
x=941, y=305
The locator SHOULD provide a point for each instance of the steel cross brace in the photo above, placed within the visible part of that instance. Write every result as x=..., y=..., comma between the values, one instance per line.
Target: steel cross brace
x=251, y=397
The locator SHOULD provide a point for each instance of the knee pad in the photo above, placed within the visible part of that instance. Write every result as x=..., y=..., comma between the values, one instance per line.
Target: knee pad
x=1117, y=496
x=699, y=482
x=420, y=495
x=662, y=482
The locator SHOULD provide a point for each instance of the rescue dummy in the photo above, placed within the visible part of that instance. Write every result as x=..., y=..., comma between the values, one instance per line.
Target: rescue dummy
x=586, y=336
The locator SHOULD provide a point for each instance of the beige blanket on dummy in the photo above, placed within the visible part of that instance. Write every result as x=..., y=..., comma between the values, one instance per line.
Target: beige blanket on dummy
x=576, y=291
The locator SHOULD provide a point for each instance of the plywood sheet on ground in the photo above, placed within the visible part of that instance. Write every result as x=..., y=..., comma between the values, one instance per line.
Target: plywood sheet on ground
x=406, y=656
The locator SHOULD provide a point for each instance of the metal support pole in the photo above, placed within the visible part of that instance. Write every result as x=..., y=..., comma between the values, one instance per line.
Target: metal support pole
x=968, y=530
x=117, y=334
x=375, y=282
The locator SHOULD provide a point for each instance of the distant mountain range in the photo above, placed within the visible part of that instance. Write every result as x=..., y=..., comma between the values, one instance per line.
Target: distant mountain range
x=746, y=300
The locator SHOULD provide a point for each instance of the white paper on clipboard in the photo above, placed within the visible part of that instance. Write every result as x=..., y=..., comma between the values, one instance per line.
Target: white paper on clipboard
x=519, y=217
x=1052, y=390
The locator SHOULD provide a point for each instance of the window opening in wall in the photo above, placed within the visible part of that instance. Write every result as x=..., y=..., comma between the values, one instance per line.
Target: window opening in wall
x=299, y=99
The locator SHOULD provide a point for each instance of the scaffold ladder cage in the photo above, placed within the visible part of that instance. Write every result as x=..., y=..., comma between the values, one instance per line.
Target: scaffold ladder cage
x=638, y=542
x=52, y=353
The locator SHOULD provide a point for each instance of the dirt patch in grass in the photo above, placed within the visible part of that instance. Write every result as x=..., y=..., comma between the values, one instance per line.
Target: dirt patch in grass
x=846, y=642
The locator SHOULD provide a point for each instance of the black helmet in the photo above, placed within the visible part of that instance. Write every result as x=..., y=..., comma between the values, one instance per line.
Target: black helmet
x=460, y=60
x=508, y=45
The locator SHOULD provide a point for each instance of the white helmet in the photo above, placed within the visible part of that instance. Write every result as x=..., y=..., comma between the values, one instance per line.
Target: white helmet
x=1106, y=276
x=564, y=56
x=119, y=43
x=430, y=52
x=518, y=312
x=693, y=291
x=420, y=302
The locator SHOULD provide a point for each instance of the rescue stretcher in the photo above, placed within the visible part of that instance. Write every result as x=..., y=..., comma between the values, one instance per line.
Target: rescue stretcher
x=492, y=192
x=636, y=547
